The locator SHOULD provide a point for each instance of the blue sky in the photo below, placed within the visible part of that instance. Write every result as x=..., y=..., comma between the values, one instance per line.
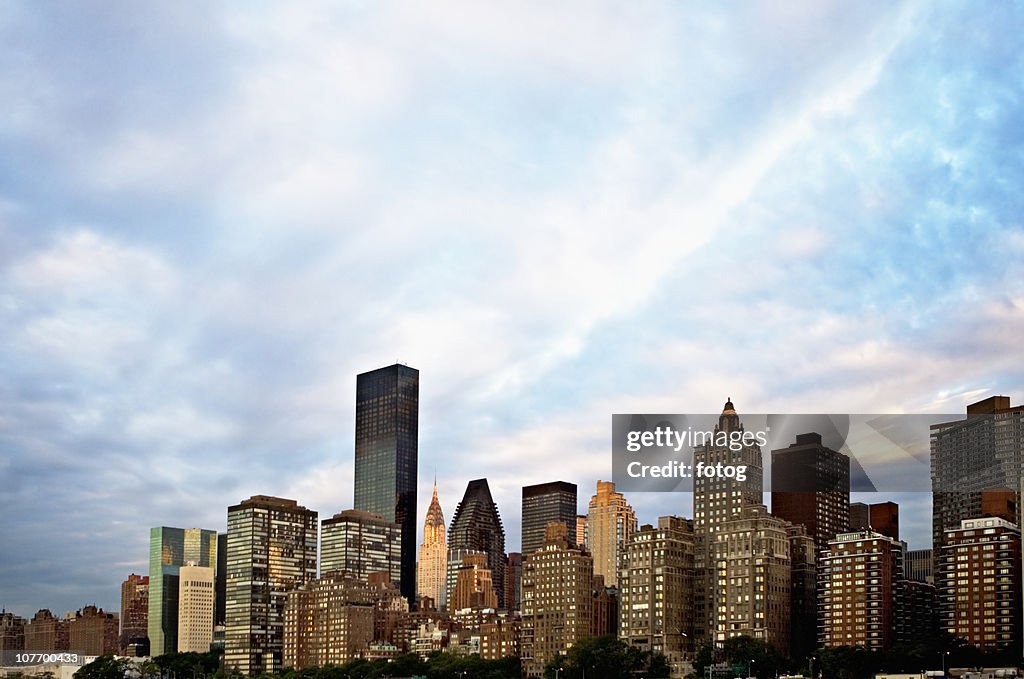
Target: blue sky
x=213, y=216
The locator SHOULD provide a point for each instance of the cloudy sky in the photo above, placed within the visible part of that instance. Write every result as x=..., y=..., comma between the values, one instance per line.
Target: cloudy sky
x=214, y=215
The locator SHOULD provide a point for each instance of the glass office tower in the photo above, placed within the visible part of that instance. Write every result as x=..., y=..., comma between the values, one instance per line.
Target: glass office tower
x=387, y=428
x=169, y=550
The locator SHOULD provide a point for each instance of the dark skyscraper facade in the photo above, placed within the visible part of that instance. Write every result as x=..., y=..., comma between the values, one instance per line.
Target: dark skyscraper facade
x=542, y=504
x=985, y=451
x=811, y=487
x=476, y=526
x=387, y=428
x=978, y=453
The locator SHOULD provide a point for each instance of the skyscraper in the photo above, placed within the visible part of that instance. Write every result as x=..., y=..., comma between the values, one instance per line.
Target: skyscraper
x=557, y=599
x=514, y=581
x=360, y=543
x=271, y=551
x=432, y=567
x=610, y=524
x=476, y=527
x=752, y=578
x=717, y=500
x=984, y=451
x=811, y=487
x=881, y=517
x=134, y=610
x=542, y=504
x=195, y=609
x=852, y=613
x=328, y=621
x=169, y=550
x=980, y=571
x=474, y=587
x=91, y=631
x=656, y=588
x=387, y=435
x=12, y=631
x=220, y=580
x=44, y=632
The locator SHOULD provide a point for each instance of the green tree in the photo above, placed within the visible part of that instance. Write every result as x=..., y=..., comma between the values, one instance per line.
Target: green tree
x=605, y=658
x=105, y=667
x=848, y=662
x=148, y=669
x=756, y=657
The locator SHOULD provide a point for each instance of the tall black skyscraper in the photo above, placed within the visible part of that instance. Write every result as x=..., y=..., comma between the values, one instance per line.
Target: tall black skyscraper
x=387, y=427
x=811, y=487
x=542, y=504
x=476, y=526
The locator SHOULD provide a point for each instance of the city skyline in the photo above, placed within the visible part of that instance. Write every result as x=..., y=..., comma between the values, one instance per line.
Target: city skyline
x=683, y=511
x=212, y=218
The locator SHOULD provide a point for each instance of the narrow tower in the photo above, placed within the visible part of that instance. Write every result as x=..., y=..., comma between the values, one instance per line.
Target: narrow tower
x=433, y=564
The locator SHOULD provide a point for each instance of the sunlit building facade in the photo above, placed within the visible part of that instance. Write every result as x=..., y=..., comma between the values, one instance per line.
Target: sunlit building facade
x=272, y=550
x=610, y=524
x=432, y=567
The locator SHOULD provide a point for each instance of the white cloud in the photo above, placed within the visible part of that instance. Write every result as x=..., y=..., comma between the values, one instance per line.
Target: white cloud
x=83, y=263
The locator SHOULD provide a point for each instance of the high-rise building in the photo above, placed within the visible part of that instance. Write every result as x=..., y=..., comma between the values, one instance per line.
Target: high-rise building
x=334, y=619
x=604, y=620
x=134, y=610
x=474, y=587
x=980, y=594
x=361, y=543
x=981, y=452
x=999, y=503
x=91, y=631
x=44, y=632
x=387, y=435
x=881, y=517
x=919, y=566
x=803, y=592
x=752, y=578
x=272, y=549
x=581, y=529
x=656, y=588
x=542, y=504
x=12, y=632
x=432, y=567
x=860, y=517
x=811, y=487
x=455, y=557
x=557, y=599
x=885, y=518
x=476, y=527
x=715, y=501
x=917, y=619
x=499, y=637
x=858, y=586
x=513, y=581
x=220, y=582
x=610, y=524
x=195, y=609
x=169, y=550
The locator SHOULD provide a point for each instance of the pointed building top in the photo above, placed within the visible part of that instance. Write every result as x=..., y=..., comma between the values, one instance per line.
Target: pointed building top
x=435, y=517
x=729, y=420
